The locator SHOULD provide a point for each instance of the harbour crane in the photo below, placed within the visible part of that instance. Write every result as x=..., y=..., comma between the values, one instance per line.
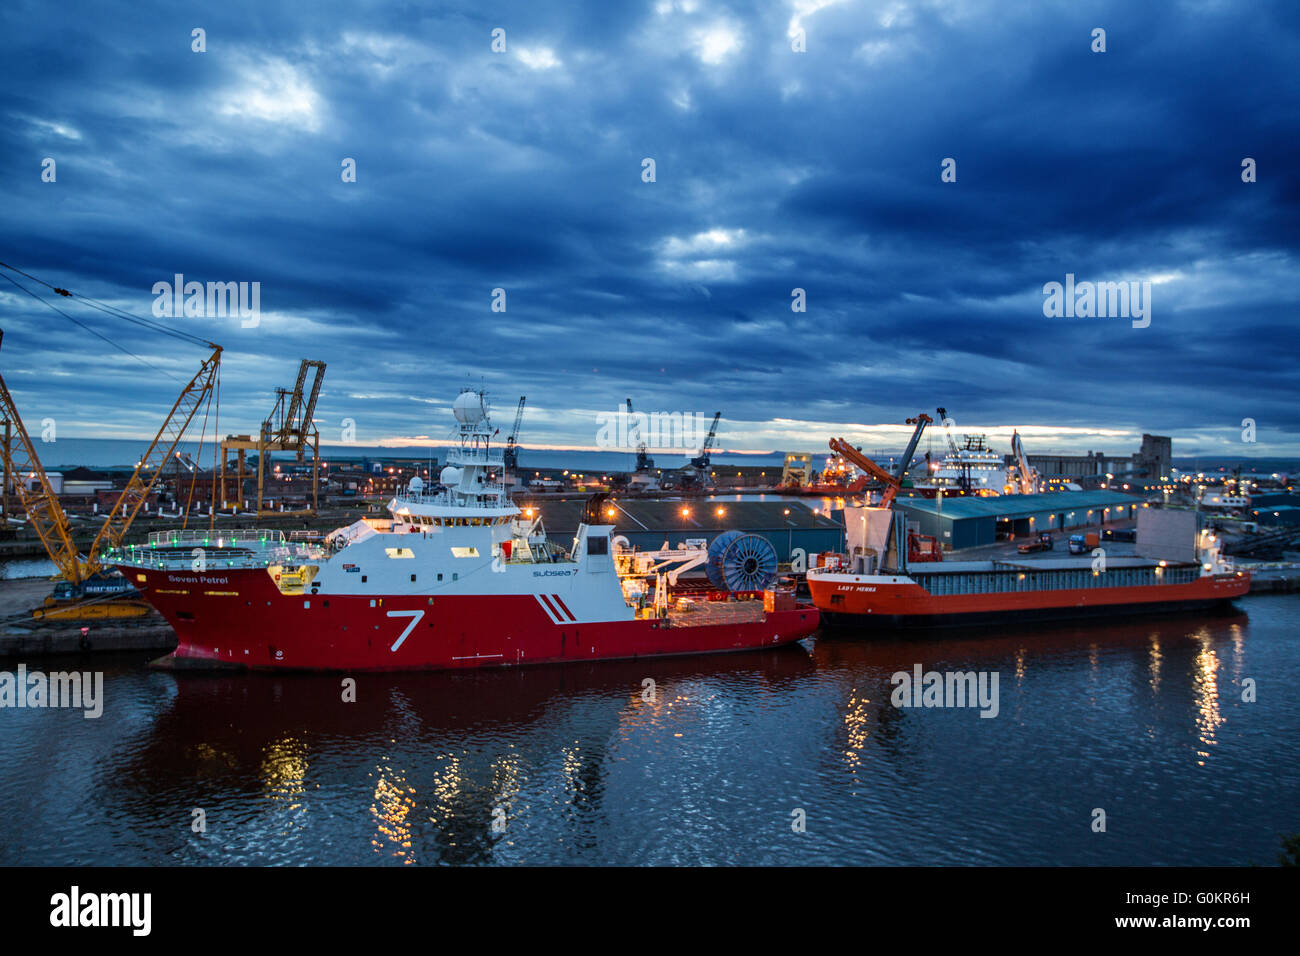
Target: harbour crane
x=919, y=547
x=701, y=461
x=511, y=453
x=695, y=473
x=84, y=575
x=643, y=460
x=1024, y=476
x=963, y=467
x=290, y=426
x=891, y=481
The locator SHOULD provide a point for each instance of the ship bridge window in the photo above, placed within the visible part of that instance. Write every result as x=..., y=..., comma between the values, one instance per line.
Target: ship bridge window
x=464, y=552
x=598, y=545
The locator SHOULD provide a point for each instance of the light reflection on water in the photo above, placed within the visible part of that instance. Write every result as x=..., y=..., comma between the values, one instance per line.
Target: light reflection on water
x=579, y=764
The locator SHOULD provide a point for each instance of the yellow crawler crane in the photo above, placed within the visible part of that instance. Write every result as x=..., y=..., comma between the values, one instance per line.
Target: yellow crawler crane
x=86, y=591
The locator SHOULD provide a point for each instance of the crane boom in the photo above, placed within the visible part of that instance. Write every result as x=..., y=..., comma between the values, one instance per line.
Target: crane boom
x=160, y=451
x=511, y=453
x=519, y=420
x=892, y=483
x=850, y=454
x=920, y=421
x=713, y=433
x=947, y=430
x=1024, y=474
x=41, y=503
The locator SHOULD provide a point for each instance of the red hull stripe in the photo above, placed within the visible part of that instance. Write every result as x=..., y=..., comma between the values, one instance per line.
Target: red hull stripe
x=564, y=607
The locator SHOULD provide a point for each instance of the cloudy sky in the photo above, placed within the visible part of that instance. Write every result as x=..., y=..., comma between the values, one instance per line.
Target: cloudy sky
x=775, y=169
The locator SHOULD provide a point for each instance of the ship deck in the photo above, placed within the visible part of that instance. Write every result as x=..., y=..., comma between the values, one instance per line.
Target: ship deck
x=1050, y=574
x=688, y=612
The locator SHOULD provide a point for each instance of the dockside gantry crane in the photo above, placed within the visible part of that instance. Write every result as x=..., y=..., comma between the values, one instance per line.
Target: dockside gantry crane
x=291, y=427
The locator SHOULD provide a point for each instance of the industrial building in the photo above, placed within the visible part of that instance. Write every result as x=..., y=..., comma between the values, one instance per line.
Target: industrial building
x=1277, y=509
x=967, y=522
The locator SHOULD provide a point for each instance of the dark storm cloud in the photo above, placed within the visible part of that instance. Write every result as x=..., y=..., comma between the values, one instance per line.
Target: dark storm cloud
x=775, y=170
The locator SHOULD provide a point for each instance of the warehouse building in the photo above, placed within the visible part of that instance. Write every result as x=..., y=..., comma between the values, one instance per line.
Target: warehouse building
x=967, y=522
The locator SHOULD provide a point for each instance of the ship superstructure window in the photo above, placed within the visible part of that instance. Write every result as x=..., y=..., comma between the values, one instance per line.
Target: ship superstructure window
x=464, y=552
x=598, y=545
x=399, y=552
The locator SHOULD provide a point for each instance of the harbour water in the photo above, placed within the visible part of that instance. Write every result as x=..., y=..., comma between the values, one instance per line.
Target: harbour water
x=715, y=763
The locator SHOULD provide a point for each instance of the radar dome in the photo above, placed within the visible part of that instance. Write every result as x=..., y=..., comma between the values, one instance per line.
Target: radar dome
x=469, y=408
x=450, y=476
x=415, y=485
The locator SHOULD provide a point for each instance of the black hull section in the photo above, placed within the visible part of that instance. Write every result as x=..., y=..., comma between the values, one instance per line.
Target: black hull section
x=910, y=622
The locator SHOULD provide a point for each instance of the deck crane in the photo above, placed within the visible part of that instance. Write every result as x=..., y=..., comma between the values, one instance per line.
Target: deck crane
x=511, y=453
x=919, y=547
x=84, y=575
x=891, y=481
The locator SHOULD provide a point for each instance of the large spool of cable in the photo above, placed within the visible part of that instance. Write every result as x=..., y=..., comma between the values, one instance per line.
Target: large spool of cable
x=741, y=562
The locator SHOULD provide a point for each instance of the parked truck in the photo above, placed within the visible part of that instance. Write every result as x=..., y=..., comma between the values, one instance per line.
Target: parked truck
x=1044, y=542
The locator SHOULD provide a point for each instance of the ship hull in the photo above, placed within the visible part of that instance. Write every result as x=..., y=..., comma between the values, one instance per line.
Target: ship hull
x=239, y=618
x=847, y=600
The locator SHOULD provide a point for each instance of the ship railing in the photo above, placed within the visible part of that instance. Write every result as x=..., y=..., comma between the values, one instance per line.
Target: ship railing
x=467, y=456
x=448, y=500
x=219, y=539
x=217, y=560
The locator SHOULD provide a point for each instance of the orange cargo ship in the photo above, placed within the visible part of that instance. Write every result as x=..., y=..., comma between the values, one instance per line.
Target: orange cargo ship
x=874, y=582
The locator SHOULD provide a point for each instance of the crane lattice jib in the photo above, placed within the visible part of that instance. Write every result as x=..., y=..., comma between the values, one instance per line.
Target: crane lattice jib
x=150, y=468
x=947, y=428
x=295, y=403
x=713, y=433
x=309, y=408
x=44, y=513
x=519, y=418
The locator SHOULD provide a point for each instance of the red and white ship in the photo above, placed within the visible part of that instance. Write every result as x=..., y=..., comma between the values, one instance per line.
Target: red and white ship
x=455, y=577
x=880, y=581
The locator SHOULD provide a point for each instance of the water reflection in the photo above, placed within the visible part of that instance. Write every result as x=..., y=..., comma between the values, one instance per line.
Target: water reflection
x=581, y=765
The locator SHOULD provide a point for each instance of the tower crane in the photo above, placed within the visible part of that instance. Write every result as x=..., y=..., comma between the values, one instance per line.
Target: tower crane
x=511, y=453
